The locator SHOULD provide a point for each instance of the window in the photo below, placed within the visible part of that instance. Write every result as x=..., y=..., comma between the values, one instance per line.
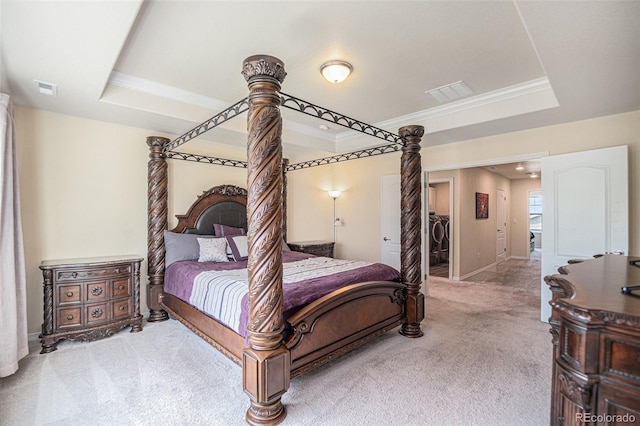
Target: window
x=535, y=210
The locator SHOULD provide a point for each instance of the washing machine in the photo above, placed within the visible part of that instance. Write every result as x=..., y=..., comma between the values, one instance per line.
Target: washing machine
x=436, y=232
x=444, y=245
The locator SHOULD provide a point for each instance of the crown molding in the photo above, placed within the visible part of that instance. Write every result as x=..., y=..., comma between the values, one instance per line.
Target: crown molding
x=478, y=101
x=154, y=88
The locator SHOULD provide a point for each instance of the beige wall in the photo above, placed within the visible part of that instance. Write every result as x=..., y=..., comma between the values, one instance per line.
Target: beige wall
x=311, y=209
x=83, y=186
x=620, y=129
x=442, y=198
x=83, y=190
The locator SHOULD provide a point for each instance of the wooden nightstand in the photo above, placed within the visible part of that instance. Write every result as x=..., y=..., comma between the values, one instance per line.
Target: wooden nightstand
x=318, y=248
x=89, y=299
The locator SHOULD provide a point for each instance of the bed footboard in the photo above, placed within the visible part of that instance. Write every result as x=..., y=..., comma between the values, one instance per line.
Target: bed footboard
x=342, y=321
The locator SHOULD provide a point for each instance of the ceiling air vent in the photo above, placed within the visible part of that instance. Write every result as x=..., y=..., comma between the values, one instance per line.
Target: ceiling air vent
x=45, y=88
x=450, y=92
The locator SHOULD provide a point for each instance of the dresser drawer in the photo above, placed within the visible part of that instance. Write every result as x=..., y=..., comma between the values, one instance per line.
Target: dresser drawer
x=620, y=358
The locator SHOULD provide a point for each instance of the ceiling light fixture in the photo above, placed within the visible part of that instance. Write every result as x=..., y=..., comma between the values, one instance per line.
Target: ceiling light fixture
x=336, y=71
x=533, y=175
x=519, y=167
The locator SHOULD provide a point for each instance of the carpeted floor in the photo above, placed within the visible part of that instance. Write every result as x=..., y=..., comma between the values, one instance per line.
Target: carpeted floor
x=485, y=359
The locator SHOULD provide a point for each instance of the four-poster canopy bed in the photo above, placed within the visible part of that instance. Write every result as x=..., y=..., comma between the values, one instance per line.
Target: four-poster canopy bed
x=278, y=341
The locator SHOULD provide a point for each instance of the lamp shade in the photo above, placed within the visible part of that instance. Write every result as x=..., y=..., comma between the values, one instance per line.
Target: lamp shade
x=336, y=71
x=334, y=194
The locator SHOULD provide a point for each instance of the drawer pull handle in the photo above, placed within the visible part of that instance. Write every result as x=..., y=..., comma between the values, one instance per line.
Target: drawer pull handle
x=96, y=313
x=97, y=291
x=74, y=274
x=121, y=287
x=122, y=308
x=69, y=294
x=69, y=317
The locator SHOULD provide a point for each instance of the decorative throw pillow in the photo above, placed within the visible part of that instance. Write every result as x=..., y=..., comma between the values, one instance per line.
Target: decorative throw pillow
x=212, y=250
x=239, y=247
x=181, y=247
x=227, y=231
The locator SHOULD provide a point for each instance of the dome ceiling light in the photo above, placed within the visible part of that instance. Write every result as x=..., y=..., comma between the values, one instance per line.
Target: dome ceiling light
x=336, y=71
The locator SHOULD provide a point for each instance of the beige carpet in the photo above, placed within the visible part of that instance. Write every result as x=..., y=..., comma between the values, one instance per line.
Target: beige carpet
x=485, y=359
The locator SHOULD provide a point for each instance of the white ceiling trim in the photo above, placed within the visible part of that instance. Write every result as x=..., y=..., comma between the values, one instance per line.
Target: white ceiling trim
x=150, y=87
x=510, y=92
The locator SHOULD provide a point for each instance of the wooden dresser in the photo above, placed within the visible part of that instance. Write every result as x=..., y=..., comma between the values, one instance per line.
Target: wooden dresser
x=91, y=298
x=318, y=248
x=596, y=343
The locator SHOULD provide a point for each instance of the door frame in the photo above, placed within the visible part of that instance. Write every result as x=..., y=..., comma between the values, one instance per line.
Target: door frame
x=467, y=165
x=502, y=203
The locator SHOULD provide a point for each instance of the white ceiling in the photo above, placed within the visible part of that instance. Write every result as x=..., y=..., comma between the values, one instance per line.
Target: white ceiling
x=169, y=65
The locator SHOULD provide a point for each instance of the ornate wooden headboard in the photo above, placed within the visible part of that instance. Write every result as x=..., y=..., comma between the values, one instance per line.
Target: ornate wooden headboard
x=222, y=204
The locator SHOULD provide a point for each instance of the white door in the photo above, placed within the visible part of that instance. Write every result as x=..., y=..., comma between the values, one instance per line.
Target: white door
x=585, y=209
x=390, y=252
x=501, y=225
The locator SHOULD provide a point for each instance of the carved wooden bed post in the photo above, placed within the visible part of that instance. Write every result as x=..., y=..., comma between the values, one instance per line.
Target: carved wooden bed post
x=156, y=225
x=411, y=228
x=285, y=163
x=266, y=361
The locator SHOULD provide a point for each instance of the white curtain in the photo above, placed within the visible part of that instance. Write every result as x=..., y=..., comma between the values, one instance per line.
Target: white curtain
x=13, y=297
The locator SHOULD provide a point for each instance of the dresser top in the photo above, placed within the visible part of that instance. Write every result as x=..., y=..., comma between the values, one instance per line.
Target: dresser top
x=89, y=261
x=597, y=283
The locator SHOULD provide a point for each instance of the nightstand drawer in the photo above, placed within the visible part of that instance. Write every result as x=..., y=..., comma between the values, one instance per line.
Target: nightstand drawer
x=78, y=274
x=97, y=313
x=121, y=309
x=69, y=317
x=120, y=288
x=96, y=291
x=68, y=294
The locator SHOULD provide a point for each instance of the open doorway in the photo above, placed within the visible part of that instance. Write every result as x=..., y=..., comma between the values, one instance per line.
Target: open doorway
x=439, y=229
x=535, y=222
x=472, y=240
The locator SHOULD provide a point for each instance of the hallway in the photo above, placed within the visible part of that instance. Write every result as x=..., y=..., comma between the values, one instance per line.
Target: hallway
x=516, y=273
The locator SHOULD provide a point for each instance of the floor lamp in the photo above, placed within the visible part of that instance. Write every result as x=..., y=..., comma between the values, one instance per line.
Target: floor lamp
x=334, y=195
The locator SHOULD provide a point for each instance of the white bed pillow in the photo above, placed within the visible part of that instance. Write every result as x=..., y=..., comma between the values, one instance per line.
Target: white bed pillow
x=239, y=247
x=213, y=250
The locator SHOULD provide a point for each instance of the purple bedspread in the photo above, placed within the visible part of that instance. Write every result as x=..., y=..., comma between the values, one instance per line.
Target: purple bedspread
x=179, y=278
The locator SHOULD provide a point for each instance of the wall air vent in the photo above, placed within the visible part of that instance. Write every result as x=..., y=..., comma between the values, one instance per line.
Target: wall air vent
x=45, y=88
x=450, y=92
